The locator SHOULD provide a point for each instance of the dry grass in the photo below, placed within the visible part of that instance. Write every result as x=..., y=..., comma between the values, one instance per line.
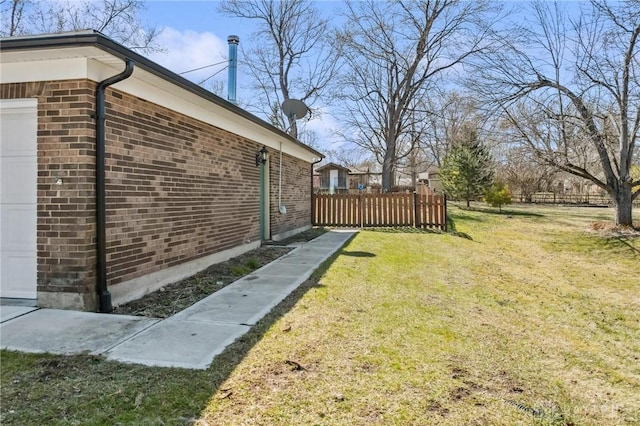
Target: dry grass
x=535, y=320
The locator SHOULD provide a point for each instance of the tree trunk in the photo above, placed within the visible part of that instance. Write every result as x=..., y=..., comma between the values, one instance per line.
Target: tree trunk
x=623, y=206
x=387, y=164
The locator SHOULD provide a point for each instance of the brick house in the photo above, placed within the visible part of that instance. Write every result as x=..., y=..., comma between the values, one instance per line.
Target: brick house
x=94, y=215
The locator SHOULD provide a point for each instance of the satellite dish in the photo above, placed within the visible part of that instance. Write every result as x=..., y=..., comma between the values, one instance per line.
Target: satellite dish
x=294, y=108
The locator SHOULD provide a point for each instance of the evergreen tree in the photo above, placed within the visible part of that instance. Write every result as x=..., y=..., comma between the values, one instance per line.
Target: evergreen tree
x=466, y=171
x=498, y=195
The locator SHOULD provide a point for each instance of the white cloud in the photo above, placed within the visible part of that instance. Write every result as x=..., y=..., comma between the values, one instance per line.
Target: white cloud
x=187, y=50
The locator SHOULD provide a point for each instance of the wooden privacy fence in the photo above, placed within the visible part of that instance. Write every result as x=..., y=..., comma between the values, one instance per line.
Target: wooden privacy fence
x=388, y=209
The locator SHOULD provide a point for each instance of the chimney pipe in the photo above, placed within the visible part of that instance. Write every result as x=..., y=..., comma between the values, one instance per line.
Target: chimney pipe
x=233, y=41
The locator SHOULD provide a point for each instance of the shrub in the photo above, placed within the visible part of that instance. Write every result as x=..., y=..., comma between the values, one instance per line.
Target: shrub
x=498, y=195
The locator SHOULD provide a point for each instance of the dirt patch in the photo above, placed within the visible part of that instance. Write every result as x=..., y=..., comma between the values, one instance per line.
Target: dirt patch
x=178, y=296
x=611, y=230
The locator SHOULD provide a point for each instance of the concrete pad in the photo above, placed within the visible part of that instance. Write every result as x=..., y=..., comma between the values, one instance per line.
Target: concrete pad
x=328, y=243
x=232, y=307
x=174, y=343
x=69, y=332
x=11, y=312
x=278, y=269
x=265, y=284
x=306, y=259
x=315, y=251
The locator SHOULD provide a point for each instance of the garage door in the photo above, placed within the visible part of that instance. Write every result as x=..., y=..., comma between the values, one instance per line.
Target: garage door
x=18, y=197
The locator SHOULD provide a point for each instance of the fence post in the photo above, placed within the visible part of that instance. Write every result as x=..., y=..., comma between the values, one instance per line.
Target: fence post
x=444, y=200
x=361, y=210
x=415, y=209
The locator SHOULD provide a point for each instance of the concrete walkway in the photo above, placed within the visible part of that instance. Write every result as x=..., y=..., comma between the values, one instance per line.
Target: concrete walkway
x=189, y=339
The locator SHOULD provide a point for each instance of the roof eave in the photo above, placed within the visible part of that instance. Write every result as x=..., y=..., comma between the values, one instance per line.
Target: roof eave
x=97, y=39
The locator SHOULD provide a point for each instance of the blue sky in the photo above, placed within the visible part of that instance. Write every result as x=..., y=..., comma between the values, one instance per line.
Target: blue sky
x=195, y=35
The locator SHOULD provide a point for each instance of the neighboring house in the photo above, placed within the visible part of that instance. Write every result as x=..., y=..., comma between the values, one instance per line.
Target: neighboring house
x=333, y=178
x=361, y=180
x=182, y=186
x=432, y=179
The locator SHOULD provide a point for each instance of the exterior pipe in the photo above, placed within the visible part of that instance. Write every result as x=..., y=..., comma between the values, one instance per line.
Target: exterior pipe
x=263, y=201
x=313, y=204
x=233, y=41
x=104, y=296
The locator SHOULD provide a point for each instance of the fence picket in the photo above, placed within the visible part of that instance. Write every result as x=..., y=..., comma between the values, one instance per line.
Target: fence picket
x=374, y=210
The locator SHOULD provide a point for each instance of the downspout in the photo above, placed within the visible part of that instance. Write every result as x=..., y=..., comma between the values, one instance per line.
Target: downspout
x=313, y=204
x=104, y=296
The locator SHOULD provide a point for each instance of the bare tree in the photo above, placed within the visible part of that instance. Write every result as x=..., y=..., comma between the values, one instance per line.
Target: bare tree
x=570, y=87
x=394, y=53
x=446, y=114
x=290, y=56
x=118, y=19
x=524, y=174
x=11, y=16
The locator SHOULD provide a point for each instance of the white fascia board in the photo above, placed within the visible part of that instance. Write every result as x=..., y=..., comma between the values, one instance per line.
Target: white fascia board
x=97, y=65
x=154, y=89
x=47, y=70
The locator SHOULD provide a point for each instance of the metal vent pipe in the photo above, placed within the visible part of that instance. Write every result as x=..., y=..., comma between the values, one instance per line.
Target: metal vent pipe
x=233, y=41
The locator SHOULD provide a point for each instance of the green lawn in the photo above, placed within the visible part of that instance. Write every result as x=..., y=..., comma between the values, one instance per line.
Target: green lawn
x=534, y=320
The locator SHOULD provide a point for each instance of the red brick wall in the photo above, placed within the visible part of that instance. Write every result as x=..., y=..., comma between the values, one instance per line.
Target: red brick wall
x=66, y=212
x=296, y=193
x=177, y=189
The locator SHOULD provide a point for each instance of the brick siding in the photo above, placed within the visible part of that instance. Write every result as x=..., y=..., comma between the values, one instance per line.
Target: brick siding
x=296, y=193
x=177, y=189
x=66, y=213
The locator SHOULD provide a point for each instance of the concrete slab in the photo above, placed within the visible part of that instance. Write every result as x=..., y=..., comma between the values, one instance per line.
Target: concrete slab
x=278, y=269
x=311, y=251
x=69, y=332
x=327, y=243
x=10, y=312
x=232, y=307
x=174, y=343
x=265, y=284
x=303, y=258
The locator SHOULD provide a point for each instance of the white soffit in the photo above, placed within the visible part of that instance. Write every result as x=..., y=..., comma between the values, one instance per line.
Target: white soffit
x=95, y=64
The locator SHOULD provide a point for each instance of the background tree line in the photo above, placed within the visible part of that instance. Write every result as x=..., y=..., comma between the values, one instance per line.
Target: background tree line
x=551, y=88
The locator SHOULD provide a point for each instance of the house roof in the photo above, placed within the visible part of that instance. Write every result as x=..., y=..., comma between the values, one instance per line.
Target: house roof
x=332, y=166
x=96, y=46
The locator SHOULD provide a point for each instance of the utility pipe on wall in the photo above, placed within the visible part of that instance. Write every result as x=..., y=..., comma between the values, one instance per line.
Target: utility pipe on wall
x=313, y=205
x=282, y=209
x=104, y=296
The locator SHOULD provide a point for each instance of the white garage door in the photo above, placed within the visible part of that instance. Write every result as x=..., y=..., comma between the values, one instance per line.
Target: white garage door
x=18, y=197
